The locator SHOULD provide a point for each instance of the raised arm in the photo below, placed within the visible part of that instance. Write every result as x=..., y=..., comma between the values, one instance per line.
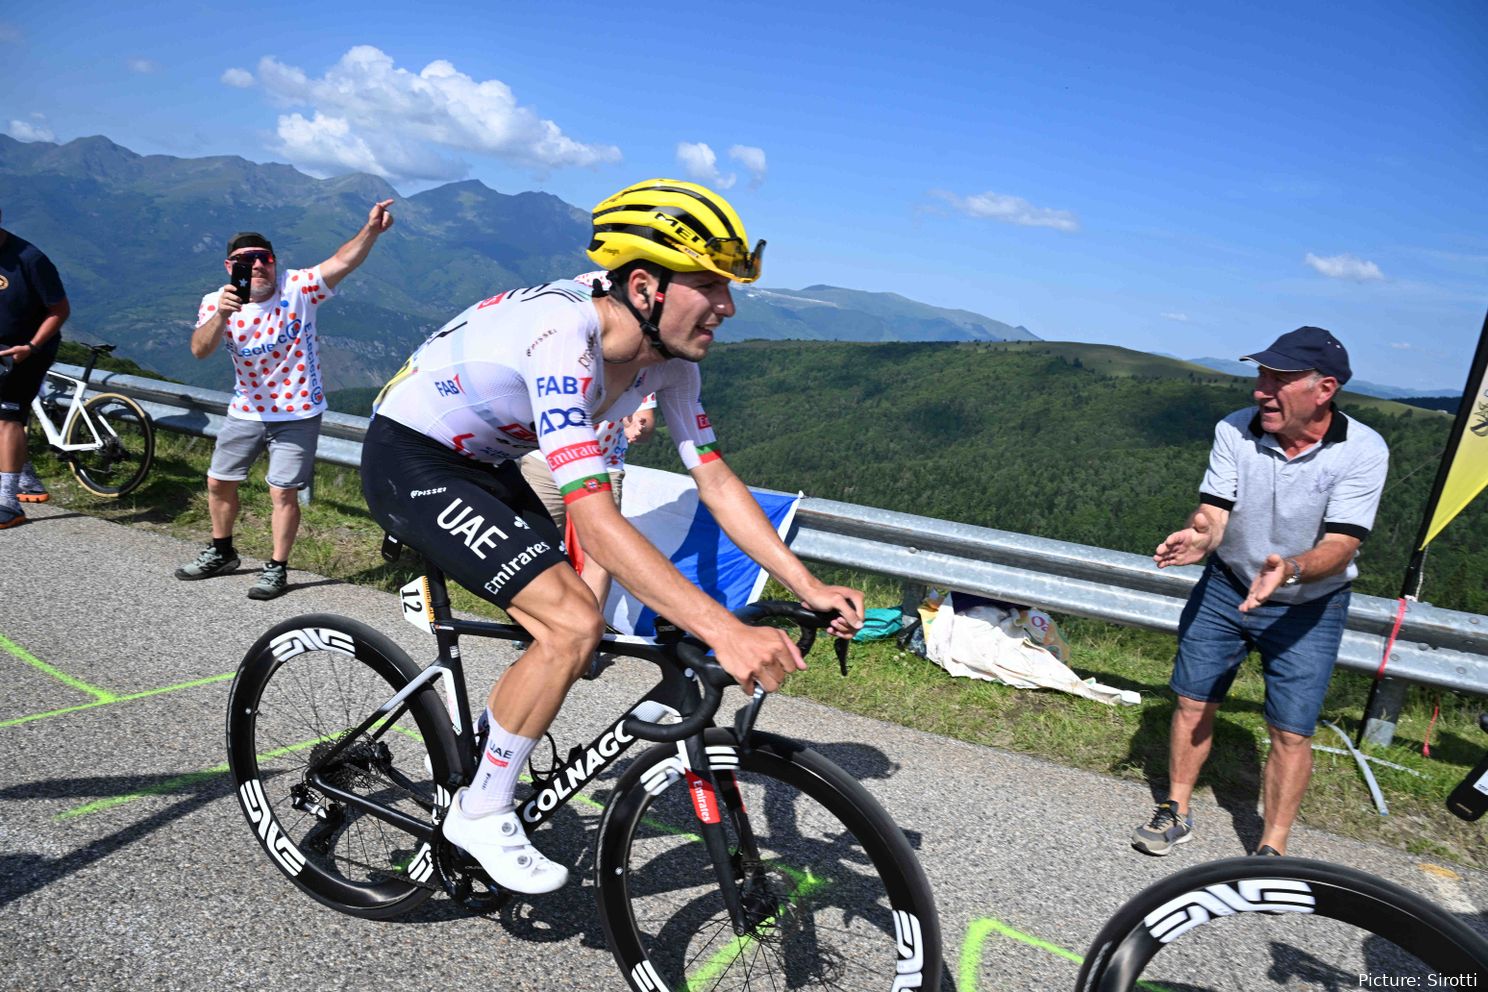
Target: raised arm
x=355, y=251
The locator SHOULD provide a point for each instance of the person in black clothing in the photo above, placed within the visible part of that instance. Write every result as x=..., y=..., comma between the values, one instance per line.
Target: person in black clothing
x=33, y=306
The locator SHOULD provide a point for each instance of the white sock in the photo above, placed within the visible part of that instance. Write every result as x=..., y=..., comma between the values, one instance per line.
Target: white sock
x=8, y=483
x=495, y=782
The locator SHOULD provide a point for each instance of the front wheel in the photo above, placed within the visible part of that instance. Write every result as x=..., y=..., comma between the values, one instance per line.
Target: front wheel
x=123, y=445
x=350, y=825
x=833, y=895
x=1286, y=921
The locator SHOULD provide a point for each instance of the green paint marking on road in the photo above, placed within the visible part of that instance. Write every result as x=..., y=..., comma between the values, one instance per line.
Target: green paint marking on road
x=177, y=783
x=101, y=695
x=976, y=936
x=111, y=700
x=806, y=884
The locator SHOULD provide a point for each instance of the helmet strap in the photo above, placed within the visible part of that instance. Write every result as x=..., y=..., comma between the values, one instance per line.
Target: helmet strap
x=648, y=323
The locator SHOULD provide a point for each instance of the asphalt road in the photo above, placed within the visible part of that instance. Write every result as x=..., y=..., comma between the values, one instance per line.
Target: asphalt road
x=125, y=862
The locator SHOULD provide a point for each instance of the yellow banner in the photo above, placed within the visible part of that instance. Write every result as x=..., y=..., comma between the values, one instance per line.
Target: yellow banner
x=1469, y=472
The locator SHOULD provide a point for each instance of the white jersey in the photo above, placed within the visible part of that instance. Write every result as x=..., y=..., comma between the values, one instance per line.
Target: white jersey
x=523, y=371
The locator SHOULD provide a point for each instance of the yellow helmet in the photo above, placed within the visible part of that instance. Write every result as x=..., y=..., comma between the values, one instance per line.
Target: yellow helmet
x=678, y=225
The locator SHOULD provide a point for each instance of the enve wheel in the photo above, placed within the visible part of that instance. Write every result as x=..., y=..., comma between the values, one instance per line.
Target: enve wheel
x=1286, y=920
x=834, y=897
x=125, y=447
x=300, y=690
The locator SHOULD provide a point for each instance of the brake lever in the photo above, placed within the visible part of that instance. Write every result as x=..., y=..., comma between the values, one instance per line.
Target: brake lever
x=744, y=719
x=840, y=646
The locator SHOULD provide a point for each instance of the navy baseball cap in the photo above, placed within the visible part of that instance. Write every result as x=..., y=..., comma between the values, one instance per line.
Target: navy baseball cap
x=249, y=239
x=1303, y=350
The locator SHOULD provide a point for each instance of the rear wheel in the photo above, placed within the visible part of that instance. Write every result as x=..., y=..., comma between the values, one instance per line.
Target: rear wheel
x=300, y=693
x=834, y=897
x=124, y=439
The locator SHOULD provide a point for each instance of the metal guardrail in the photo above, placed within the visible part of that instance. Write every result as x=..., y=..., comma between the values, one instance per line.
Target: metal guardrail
x=1436, y=647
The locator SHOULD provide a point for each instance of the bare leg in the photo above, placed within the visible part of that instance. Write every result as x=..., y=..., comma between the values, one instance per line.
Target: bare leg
x=285, y=520
x=1288, y=770
x=12, y=446
x=1188, y=747
x=222, y=506
x=558, y=611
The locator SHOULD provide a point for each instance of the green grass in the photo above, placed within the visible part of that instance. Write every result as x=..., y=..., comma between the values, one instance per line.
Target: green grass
x=337, y=539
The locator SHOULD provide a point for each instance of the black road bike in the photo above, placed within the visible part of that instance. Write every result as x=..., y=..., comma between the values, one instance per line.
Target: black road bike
x=727, y=857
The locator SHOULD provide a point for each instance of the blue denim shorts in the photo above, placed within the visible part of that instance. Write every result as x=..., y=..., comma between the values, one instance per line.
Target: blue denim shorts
x=1298, y=644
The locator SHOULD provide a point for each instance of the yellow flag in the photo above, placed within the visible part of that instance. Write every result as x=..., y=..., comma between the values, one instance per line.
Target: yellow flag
x=1466, y=459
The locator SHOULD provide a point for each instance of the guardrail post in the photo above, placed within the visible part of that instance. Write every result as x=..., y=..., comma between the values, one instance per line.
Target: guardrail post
x=909, y=605
x=1379, y=722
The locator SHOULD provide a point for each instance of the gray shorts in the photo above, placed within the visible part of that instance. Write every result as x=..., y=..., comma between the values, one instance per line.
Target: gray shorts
x=291, y=445
x=535, y=471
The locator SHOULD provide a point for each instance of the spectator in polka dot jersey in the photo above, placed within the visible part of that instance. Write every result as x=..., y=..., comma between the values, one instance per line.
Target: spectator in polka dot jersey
x=279, y=395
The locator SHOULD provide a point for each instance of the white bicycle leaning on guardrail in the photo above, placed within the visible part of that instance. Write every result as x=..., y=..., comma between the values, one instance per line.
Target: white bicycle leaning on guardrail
x=108, y=440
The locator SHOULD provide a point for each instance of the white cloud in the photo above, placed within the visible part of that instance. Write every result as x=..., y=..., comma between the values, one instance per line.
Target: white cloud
x=1182, y=318
x=700, y=163
x=239, y=78
x=1011, y=210
x=143, y=66
x=400, y=124
x=1344, y=267
x=753, y=161
x=1401, y=345
x=27, y=131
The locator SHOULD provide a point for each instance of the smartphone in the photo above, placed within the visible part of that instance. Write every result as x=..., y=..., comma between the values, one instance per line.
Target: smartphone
x=242, y=278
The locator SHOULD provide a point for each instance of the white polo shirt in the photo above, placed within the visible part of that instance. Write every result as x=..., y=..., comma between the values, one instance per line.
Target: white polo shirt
x=1281, y=505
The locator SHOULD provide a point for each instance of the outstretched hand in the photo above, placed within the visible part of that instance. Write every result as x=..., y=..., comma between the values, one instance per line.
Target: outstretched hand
x=379, y=218
x=1267, y=581
x=1186, y=546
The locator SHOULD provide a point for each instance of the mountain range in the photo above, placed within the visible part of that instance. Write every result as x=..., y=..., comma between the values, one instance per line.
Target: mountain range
x=139, y=239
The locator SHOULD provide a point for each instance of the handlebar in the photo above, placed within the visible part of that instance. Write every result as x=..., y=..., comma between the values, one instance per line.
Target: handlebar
x=691, y=655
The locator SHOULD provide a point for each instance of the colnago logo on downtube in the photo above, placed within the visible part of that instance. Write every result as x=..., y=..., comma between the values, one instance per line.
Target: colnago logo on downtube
x=293, y=642
x=274, y=841
x=1251, y=895
x=908, y=942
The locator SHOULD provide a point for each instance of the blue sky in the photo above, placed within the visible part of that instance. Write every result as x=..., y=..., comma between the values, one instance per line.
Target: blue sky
x=1191, y=179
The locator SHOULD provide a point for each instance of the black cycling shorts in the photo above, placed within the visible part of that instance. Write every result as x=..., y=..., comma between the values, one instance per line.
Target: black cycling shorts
x=19, y=386
x=481, y=524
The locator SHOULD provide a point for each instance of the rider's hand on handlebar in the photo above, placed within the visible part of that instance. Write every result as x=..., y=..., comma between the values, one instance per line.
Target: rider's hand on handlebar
x=228, y=300
x=759, y=654
x=847, y=602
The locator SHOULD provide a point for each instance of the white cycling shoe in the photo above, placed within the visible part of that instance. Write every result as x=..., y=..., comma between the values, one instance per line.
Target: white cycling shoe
x=499, y=843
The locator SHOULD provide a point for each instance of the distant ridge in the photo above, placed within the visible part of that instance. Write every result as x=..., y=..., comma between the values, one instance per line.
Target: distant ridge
x=138, y=239
x=1232, y=367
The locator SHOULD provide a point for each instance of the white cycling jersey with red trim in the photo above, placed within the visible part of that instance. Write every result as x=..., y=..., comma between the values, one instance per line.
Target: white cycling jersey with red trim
x=523, y=370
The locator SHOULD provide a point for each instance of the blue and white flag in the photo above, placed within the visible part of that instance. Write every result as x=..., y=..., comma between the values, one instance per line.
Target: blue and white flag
x=664, y=507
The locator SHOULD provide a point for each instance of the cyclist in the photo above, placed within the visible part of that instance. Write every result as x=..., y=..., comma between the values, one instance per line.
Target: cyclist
x=537, y=368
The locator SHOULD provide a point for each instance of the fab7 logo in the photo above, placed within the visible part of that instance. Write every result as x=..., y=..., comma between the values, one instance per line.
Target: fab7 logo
x=567, y=385
x=448, y=387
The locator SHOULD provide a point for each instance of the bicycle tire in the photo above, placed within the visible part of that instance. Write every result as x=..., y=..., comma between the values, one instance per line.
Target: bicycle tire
x=838, y=898
x=1285, y=887
x=125, y=445
x=299, y=689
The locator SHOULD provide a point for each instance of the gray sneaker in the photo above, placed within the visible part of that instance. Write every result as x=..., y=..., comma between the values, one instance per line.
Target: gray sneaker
x=272, y=581
x=209, y=563
x=1166, y=828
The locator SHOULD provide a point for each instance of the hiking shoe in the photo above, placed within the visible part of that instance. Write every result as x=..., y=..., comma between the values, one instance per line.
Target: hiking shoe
x=272, y=581
x=1166, y=828
x=209, y=563
x=11, y=517
x=32, y=491
x=498, y=842
x=1265, y=851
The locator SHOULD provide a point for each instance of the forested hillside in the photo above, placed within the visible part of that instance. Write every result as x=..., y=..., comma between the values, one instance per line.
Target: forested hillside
x=1082, y=443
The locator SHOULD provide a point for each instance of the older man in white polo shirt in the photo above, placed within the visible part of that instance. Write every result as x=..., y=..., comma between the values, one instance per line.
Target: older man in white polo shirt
x=1291, y=490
